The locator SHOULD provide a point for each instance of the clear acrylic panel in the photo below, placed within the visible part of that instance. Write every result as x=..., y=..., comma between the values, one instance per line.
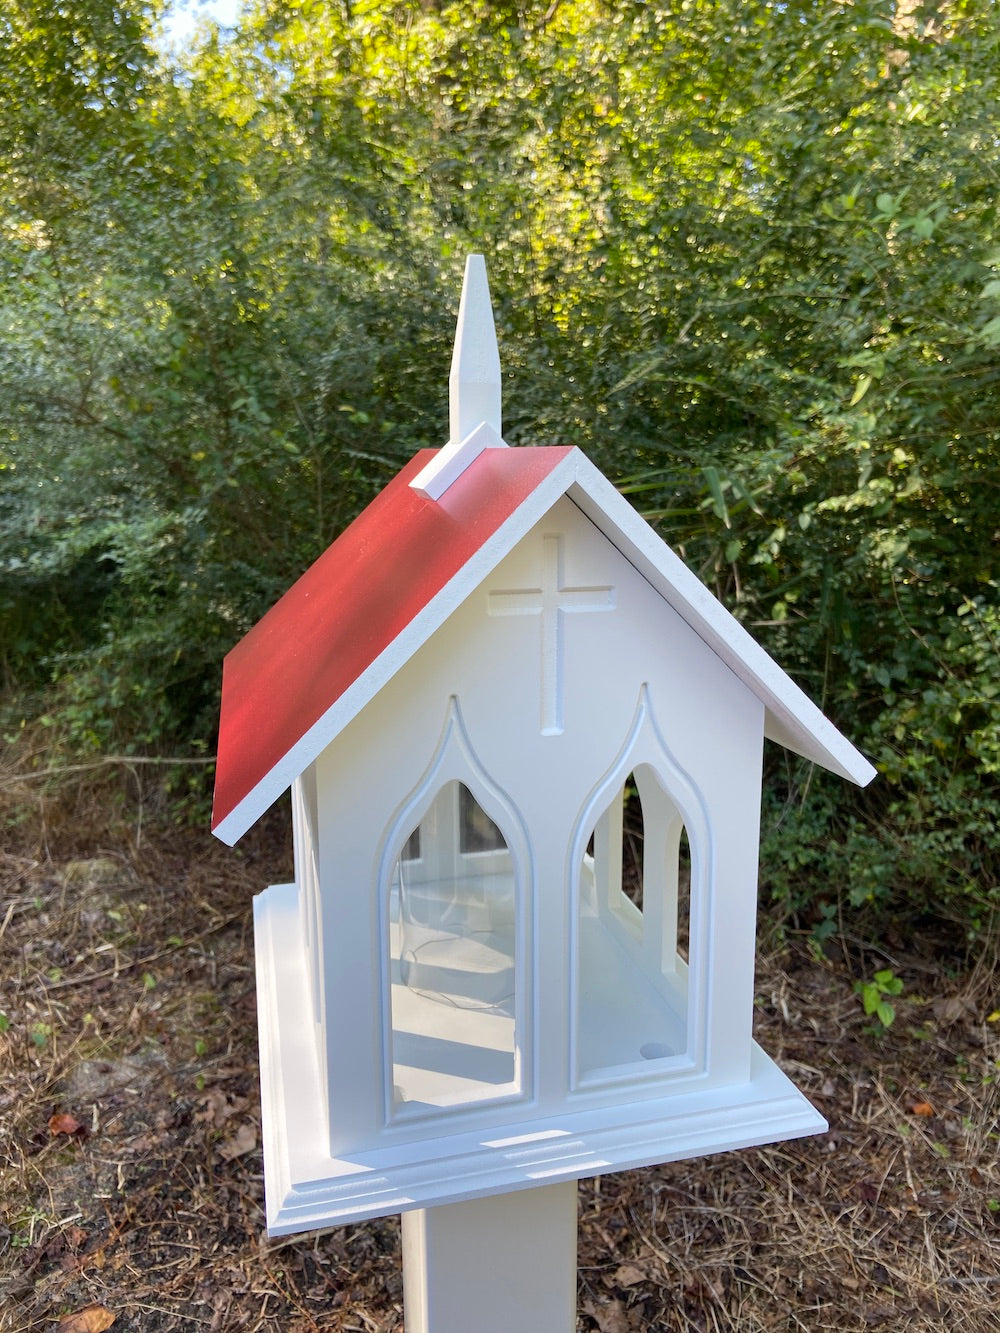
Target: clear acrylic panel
x=453, y=928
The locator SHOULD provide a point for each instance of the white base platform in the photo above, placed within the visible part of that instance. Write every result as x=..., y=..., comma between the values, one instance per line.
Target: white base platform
x=306, y=1188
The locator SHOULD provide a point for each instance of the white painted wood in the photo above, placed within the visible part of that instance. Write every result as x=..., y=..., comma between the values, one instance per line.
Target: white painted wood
x=449, y=463
x=551, y=778
x=351, y=997
x=474, y=388
x=662, y=828
x=306, y=1187
x=504, y=1264
x=474, y=382
x=551, y=601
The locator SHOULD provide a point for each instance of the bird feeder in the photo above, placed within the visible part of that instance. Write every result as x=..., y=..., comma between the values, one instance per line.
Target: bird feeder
x=494, y=687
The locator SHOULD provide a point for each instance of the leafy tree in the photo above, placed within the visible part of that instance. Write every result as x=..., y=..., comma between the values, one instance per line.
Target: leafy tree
x=744, y=255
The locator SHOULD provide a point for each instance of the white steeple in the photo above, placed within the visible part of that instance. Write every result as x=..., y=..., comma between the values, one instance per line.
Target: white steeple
x=474, y=383
x=473, y=386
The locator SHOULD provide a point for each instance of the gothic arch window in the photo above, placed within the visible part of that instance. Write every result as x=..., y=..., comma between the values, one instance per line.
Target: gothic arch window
x=642, y=881
x=454, y=939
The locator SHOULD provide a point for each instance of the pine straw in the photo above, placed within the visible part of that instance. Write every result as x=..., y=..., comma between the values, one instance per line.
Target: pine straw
x=126, y=976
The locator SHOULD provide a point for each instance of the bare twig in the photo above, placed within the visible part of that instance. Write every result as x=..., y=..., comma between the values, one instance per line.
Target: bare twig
x=108, y=760
x=65, y=982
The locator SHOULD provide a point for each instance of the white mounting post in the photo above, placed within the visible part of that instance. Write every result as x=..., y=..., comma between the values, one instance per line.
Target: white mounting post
x=503, y=1264
x=473, y=385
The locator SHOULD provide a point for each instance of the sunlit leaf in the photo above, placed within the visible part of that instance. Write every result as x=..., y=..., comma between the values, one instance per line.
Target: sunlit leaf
x=862, y=386
x=63, y=1123
x=91, y=1319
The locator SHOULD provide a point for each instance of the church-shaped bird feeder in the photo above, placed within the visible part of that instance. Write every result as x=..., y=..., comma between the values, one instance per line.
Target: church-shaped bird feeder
x=492, y=689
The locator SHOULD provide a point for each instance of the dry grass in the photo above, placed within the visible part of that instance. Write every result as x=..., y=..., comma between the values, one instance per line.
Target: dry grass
x=126, y=980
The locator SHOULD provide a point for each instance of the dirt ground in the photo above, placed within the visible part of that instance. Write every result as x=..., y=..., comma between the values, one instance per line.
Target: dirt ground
x=131, y=1189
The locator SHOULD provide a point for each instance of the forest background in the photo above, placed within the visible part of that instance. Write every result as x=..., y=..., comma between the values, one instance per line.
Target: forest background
x=744, y=254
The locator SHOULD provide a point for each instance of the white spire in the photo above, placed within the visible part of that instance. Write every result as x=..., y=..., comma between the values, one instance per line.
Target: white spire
x=474, y=387
x=474, y=383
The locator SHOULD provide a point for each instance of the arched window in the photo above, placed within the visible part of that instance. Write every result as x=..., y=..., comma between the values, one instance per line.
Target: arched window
x=640, y=917
x=455, y=926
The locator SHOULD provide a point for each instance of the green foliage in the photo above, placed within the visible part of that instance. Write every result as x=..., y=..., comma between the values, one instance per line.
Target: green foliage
x=875, y=998
x=745, y=255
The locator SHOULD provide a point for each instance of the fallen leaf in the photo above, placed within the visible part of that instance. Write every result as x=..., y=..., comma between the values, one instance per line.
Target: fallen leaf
x=951, y=1009
x=92, y=1319
x=61, y=1123
x=243, y=1141
x=217, y=1106
x=66, y=1248
x=610, y=1318
x=922, y=1108
x=628, y=1275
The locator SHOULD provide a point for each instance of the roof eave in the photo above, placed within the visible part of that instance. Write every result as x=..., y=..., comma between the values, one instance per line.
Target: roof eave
x=792, y=719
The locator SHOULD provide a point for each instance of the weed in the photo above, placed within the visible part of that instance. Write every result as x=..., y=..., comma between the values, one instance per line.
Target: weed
x=875, y=999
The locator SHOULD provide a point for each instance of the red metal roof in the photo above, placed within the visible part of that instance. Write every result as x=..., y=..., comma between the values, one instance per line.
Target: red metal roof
x=349, y=606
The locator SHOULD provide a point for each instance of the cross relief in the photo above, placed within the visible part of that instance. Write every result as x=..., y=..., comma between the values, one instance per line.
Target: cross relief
x=551, y=602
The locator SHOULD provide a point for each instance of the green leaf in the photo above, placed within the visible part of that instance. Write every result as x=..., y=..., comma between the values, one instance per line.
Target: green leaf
x=888, y=982
x=862, y=386
x=711, y=476
x=885, y=1013
x=744, y=492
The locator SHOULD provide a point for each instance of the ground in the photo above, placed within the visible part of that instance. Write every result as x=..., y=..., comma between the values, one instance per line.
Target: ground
x=132, y=1186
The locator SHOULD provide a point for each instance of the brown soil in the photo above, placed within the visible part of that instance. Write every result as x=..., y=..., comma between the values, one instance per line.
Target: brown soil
x=131, y=1193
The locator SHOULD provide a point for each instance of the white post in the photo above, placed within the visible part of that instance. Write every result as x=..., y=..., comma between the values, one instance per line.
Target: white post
x=503, y=1264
